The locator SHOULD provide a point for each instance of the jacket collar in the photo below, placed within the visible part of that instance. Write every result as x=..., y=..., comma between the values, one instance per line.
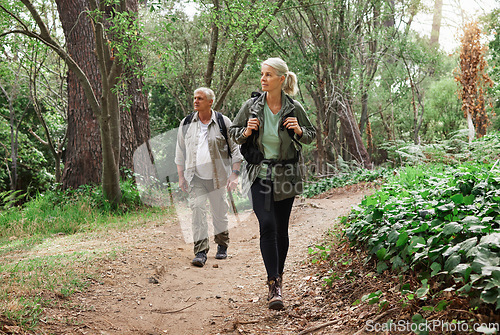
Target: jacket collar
x=212, y=117
x=258, y=105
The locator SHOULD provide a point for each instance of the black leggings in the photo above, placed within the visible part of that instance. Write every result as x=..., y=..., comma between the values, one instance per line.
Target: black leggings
x=273, y=227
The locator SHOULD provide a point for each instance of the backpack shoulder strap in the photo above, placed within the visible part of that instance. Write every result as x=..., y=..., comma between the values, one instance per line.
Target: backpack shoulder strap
x=223, y=130
x=292, y=133
x=187, y=121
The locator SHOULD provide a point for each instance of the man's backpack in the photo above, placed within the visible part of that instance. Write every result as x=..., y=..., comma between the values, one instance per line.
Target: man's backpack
x=220, y=122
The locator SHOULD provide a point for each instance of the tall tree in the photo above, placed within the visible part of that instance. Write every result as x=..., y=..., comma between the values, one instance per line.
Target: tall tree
x=243, y=23
x=436, y=22
x=83, y=157
x=325, y=33
x=212, y=48
x=99, y=86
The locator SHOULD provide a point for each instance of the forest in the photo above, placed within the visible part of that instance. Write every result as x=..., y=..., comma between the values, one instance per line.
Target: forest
x=85, y=83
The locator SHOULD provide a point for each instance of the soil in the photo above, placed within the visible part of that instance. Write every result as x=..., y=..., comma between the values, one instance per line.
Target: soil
x=150, y=286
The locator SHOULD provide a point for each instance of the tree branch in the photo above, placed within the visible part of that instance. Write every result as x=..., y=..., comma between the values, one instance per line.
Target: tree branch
x=46, y=39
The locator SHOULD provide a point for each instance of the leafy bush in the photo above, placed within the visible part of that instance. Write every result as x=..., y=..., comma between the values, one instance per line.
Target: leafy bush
x=441, y=221
x=342, y=179
x=67, y=212
x=454, y=150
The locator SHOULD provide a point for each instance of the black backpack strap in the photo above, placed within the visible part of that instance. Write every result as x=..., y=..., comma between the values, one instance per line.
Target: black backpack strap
x=255, y=95
x=220, y=122
x=223, y=130
x=187, y=121
x=291, y=132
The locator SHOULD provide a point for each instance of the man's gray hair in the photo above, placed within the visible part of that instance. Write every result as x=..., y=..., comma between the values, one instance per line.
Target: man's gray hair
x=207, y=91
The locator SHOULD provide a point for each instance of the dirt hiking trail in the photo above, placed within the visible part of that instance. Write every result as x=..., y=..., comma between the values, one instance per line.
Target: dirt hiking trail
x=150, y=287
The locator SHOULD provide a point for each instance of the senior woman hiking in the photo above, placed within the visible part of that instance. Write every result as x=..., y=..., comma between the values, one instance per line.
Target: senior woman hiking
x=271, y=128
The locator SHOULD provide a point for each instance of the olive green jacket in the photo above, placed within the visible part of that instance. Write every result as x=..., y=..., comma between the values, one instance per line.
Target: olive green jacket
x=287, y=180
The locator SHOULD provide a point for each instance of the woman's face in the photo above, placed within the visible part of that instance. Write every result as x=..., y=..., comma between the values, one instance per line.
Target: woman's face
x=269, y=80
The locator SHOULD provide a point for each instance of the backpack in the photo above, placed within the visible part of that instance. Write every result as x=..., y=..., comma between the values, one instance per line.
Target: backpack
x=249, y=149
x=291, y=133
x=220, y=122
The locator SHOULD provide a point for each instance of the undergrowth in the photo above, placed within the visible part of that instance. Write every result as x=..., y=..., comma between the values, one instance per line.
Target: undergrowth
x=440, y=221
x=66, y=212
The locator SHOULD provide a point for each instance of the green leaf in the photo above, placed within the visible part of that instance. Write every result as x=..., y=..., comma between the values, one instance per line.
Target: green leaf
x=393, y=237
x=422, y=228
x=452, y=262
x=416, y=243
x=491, y=240
x=485, y=259
x=488, y=270
x=446, y=208
x=422, y=292
x=436, y=268
x=419, y=319
x=476, y=228
x=441, y=305
x=490, y=296
x=373, y=297
x=397, y=262
x=463, y=269
x=381, y=253
x=381, y=267
x=458, y=199
x=469, y=220
x=378, y=214
x=402, y=239
x=452, y=228
x=369, y=201
x=469, y=200
x=468, y=244
x=494, y=281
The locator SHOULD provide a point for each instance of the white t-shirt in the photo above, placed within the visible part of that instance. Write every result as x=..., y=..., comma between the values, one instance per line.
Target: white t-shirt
x=204, y=168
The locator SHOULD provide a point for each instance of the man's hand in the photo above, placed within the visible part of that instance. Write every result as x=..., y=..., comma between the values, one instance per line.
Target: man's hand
x=183, y=184
x=232, y=182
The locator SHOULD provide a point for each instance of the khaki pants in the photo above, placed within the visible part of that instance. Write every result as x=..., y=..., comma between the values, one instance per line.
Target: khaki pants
x=202, y=190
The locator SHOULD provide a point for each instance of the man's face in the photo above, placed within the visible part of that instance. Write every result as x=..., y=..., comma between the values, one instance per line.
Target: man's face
x=201, y=103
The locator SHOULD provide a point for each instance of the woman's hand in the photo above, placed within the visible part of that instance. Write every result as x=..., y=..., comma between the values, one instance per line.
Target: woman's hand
x=292, y=123
x=252, y=124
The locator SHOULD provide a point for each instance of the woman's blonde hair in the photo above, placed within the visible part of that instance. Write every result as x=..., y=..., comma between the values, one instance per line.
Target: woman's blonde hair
x=290, y=85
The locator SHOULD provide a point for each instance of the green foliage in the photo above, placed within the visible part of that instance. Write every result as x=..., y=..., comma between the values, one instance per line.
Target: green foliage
x=494, y=63
x=443, y=110
x=454, y=150
x=10, y=198
x=321, y=252
x=343, y=179
x=68, y=212
x=443, y=221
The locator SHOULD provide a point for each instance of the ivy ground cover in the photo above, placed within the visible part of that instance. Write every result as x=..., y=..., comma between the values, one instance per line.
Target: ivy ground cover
x=442, y=222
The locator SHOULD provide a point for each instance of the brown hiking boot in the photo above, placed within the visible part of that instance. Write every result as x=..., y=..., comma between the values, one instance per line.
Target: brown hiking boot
x=274, y=296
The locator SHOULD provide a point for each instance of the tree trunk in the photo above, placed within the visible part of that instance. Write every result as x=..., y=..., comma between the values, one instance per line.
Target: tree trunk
x=13, y=140
x=470, y=125
x=135, y=129
x=436, y=22
x=214, y=40
x=83, y=156
x=352, y=134
x=13, y=147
